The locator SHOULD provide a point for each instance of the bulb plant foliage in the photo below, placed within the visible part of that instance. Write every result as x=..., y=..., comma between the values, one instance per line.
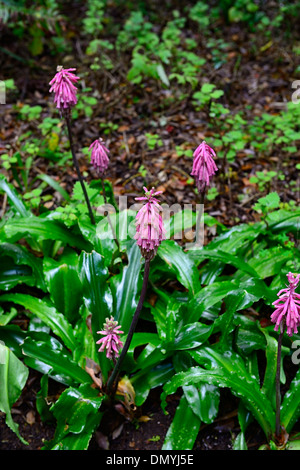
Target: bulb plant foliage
x=86, y=293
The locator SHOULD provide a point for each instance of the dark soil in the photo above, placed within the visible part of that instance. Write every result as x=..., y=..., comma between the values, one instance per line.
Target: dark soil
x=117, y=434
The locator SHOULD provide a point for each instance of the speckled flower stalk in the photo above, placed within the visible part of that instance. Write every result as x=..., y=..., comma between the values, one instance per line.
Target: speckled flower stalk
x=110, y=342
x=286, y=316
x=204, y=168
x=148, y=239
x=63, y=86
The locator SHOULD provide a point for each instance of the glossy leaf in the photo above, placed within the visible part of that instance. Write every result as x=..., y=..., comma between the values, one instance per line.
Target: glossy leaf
x=269, y=262
x=226, y=370
x=148, y=379
x=55, y=185
x=184, y=428
x=42, y=404
x=43, y=229
x=22, y=256
x=13, y=337
x=151, y=342
x=240, y=442
x=77, y=414
x=203, y=398
x=97, y=296
x=284, y=221
x=47, y=313
x=11, y=274
x=243, y=294
x=168, y=314
x=235, y=238
x=226, y=258
x=126, y=287
x=180, y=264
x=78, y=441
x=96, y=292
x=46, y=354
x=13, y=377
x=153, y=355
x=192, y=335
x=207, y=297
x=249, y=339
x=64, y=284
x=14, y=198
x=171, y=322
x=290, y=408
x=268, y=387
x=86, y=344
x=90, y=233
x=245, y=418
x=5, y=318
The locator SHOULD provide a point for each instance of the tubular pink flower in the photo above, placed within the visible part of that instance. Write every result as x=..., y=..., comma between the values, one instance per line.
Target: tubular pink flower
x=204, y=166
x=63, y=87
x=111, y=340
x=99, y=158
x=288, y=306
x=150, y=229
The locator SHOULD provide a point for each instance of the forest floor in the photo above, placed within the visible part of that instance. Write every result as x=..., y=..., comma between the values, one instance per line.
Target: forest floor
x=118, y=434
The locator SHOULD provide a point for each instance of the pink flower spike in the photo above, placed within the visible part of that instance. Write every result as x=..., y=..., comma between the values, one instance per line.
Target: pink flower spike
x=111, y=341
x=150, y=229
x=287, y=311
x=64, y=89
x=204, y=166
x=99, y=158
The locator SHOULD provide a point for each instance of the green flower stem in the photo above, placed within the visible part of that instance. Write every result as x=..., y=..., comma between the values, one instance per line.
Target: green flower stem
x=112, y=381
x=75, y=161
x=199, y=216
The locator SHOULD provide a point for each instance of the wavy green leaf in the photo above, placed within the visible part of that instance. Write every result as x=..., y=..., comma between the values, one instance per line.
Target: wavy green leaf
x=226, y=258
x=226, y=370
x=22, y=256
x=207, y=297
x=47, y=355
x=235, y=238
x=150, y=378
x=13, y=337
x=290, y=408
x=184, y=428
x=55, y=185
x=47, y=313
x=77, y=414
x=126, y=287
x=11, y=274
x=180, y=264
x=13, y=377
x=97, y=296
x=14, y=198
x=43, y=229
x=95, y=288
x=192, y=335
x=64, y=285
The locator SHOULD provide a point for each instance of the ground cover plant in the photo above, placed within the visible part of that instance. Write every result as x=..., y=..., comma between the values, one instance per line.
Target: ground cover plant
x=149, y=239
